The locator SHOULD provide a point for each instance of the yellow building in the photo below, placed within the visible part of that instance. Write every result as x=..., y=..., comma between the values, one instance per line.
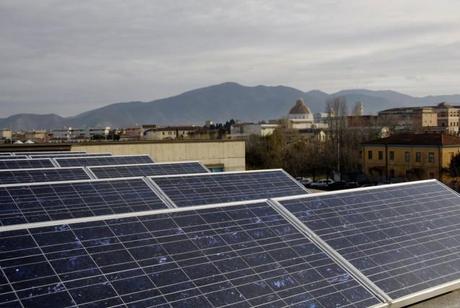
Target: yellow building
x=409, y=156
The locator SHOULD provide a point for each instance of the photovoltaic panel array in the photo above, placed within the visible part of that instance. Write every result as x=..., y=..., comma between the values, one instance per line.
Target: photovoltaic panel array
x=121, y=171
x=42, y=175
x=227, y=187
x=53, y=201
x=48, y=152
x=405, y=238
x=14, y=157
x=25, y=163
x=241, y=256
x=69, y=155
x=99, y=161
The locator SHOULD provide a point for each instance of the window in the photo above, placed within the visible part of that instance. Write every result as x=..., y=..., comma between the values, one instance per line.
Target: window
x=392, y=155
x=418, y=157
x=369, y=154
x=431, y=157
x=407, y=157
x=380, y=155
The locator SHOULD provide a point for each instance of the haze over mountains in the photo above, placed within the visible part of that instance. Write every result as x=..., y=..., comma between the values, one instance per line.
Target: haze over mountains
x=218, y=103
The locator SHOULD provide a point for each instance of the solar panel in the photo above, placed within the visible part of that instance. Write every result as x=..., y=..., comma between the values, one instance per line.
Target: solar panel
x=48, y=152
x=243, y=256
x=121, y=171
x=42, y=175
x=3, y=157
x=69, y=155
x=25, y=163
x=188, y=190
x=100, y=161
x=404, y=238
x=53, y=201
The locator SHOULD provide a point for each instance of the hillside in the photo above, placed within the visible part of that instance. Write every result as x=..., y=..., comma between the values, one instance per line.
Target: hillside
x=218, y=103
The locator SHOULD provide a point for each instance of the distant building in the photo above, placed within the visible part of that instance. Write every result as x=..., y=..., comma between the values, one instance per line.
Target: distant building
x=409, y=156
x=183, y=132
x=440, y=118
x=6, y=134
x=169, y=132
x=313, y=134
x=300, y=116
x=358, y=110
x=244, y=130
x=130, y=134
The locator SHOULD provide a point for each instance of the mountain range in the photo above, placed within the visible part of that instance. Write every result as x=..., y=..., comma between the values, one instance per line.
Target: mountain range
x=218, y=103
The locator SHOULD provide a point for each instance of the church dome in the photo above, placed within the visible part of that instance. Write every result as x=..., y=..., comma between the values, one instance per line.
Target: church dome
x=300, y=108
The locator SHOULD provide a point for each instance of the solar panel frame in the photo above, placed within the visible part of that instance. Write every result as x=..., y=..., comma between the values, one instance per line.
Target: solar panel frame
x=4, y=162
x=399, y=301
x=95, y=168
x=61, y=161
x=60, y=184
x=4, y=157
x=221, y=174
x=272, y=276
x=47, y=152
x=2, y=171
x=69, y=155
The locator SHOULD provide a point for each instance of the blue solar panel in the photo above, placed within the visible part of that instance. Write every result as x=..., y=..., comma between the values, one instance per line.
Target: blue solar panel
x=42, y=175
x=243, y=256
x=3, y=157
x=227, y=187
x=100, y=161
x=69, y=155
x=122, y=171
x=53, y=201
x=48, y=152
x=403, y=238
x=25, y=163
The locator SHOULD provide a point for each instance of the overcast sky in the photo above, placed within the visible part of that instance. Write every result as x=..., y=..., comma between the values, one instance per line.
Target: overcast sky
x=66, y=57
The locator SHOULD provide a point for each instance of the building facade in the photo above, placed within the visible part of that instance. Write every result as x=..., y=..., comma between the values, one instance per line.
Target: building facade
x=300, y=116
x=244, y=130
x=441, y=118
x=218, y=155
x=409, y=156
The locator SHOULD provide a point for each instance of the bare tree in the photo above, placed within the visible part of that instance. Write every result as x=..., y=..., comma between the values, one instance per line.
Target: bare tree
x=337, y=111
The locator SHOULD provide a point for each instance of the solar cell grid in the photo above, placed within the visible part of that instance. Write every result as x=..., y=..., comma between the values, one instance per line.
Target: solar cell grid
x=404, y=238
x=69, y=155
x=98, y=161
x=3, y=157
x=25, y=163
x=48, y=152
x=227, y=187
x=54, y=201
x=42, y=175
x=240, y=256
x=147, y=169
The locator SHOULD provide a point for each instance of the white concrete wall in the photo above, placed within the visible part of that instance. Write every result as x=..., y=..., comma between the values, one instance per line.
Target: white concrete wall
x=229, y=153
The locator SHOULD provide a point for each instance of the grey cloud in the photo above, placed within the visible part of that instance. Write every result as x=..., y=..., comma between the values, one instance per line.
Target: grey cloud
x=69, y=56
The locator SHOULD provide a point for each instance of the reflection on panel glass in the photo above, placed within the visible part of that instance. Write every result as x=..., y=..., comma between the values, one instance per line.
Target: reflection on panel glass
x=241, y=256
x=403, y=238
x=45, y=202
x=227, y=187
x=147, y=170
